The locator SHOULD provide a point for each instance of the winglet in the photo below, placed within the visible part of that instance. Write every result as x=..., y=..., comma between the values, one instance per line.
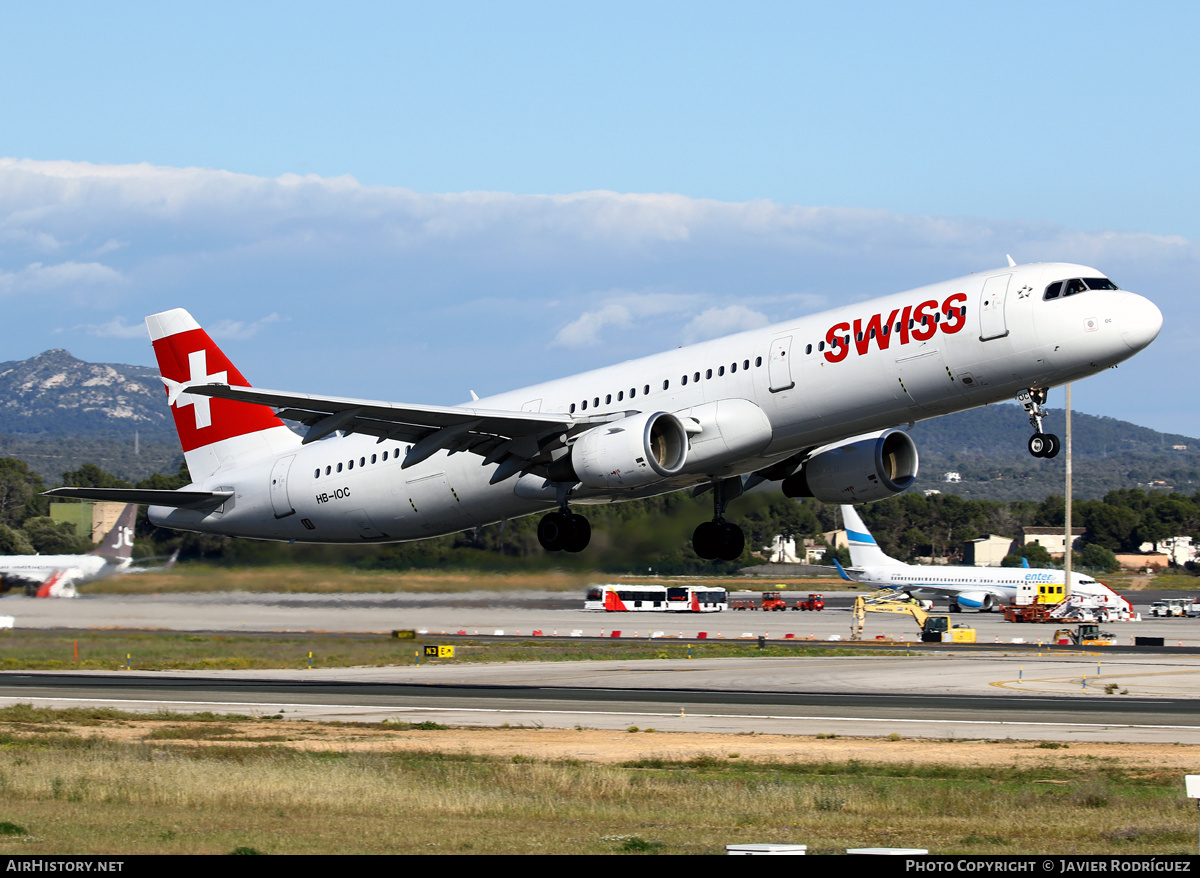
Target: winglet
x=1024, y=562
x=841, y=571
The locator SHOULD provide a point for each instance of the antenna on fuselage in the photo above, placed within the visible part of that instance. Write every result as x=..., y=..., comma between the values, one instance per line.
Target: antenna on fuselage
x=1011, y=263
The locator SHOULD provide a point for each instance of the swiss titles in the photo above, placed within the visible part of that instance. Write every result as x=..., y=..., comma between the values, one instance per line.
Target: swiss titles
x=902, y=325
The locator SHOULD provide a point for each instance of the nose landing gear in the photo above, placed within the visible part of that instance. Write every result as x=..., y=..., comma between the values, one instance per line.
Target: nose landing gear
x=1040, y=444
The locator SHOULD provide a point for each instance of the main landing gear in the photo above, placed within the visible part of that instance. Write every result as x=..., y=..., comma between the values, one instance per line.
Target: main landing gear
x=564, y=531
x=1040, y=444
x=720, y=539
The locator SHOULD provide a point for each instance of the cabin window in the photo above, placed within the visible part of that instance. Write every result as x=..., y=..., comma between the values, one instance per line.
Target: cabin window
x=646, y=390
x=350, y=465
x=666, y=384
x=708, y=374
x=696, y=377
x=683, y=380
x=584, y=404
x=596, y=402
x=327, y=469
x=339, y=468
x=385, y=455
x=733, y=367
x=608, y=399
x=620, y=395
x=572, y=408
x=721, y=372
x=317, y=474
x=372, y=458
x=821, y=346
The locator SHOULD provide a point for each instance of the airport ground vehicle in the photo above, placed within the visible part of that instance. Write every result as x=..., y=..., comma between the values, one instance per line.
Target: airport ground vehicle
x=934, y=629
x=1086, y=634
x=656, y=598
x=815, y=602
x=1171, y=607
x=770, y=601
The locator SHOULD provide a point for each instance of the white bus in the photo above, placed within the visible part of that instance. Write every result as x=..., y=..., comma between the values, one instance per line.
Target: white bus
x=656, y=598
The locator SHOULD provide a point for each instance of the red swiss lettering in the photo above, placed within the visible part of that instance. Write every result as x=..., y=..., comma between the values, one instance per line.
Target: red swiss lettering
x=956, y=317
x=837, y=349
x=925, y=327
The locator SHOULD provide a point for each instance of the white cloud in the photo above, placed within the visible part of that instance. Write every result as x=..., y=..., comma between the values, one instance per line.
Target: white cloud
x=115, y=328
x=493, y=288
x=716, y=322
x=239, y=330
x=39, y=278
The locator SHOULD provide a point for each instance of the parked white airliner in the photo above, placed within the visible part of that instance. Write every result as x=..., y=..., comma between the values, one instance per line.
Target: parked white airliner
x=977, y=588
x=810, y=402
x=56, y=576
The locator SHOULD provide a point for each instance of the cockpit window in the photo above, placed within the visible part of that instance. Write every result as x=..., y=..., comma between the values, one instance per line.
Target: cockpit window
x=1077, y=285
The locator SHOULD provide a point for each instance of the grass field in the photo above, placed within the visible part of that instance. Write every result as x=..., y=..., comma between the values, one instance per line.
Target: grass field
x=318, y=579
x=103, y=782
x=25, y=649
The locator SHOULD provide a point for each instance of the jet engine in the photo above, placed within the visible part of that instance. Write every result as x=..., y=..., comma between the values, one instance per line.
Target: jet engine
x=859, y=470
x=983, y=601
x=628, y=453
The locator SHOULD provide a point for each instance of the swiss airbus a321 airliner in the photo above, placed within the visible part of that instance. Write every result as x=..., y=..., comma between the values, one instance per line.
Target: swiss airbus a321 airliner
x=812, y=403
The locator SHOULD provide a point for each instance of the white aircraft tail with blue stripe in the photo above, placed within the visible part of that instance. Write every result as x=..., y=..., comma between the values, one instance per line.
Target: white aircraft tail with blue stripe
x=864, y=551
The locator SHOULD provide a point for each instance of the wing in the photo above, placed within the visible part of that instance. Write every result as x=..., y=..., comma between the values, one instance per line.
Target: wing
x=519, y=441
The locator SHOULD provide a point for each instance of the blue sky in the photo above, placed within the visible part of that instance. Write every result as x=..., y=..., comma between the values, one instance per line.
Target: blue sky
x=410, y=201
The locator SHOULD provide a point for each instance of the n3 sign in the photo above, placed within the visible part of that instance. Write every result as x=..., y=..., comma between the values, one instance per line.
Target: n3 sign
x=439, y=652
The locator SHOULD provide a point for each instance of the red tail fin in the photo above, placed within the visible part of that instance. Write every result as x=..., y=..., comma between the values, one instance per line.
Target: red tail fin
x=211, y=431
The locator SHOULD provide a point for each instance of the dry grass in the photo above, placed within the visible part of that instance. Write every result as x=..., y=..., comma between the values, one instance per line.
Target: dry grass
x=313, y=578
x=110, y=783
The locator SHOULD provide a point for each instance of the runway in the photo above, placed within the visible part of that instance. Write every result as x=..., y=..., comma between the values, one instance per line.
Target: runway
x=989, y=697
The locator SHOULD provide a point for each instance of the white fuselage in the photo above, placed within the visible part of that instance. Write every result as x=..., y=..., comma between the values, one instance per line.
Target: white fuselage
x=966, y=585
x=71, y=570
x=790, y=391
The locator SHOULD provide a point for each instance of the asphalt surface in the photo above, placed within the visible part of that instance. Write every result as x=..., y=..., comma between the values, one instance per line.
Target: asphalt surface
x=997, y=690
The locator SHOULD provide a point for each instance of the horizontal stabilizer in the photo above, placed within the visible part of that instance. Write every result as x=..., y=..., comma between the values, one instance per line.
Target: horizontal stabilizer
x=146, y=496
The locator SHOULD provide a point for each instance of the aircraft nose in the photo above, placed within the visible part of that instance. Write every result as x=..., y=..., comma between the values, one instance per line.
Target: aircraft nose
x=1139, y=320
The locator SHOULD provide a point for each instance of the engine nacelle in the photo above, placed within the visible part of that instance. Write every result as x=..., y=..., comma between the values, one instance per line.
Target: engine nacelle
x=984, y=601
x=859, y=470
x=631, y=452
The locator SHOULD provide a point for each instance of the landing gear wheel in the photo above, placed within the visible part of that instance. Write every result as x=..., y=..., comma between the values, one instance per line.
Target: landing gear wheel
x=580, y=533
x=553, y=531
x=564, y=532
x=1044, y=445
x=706, y=540
x=733, y=541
